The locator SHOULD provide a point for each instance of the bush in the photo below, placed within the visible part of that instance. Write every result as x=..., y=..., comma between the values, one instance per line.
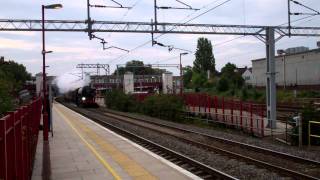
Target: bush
x=6, y=101
x=256, y=95
x=223, y=85
x=244, y=94
x=309, y=113
x=163, y=106
x=120, y=101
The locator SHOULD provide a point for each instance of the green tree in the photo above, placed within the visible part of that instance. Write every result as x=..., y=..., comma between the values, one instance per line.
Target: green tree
x=12, y=77
x=204, y=57
x=229, y=69
x=15, y=73
x=6, y=101
x=138, y=68
x=223, y=84
x=229, y=73
x=199, y=80
x=187, y=76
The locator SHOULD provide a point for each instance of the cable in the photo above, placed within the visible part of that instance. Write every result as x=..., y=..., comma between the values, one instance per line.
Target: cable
x=124, y=16
x=308, y=20
x=207, y=11
x=132, y=50
x=168, y=59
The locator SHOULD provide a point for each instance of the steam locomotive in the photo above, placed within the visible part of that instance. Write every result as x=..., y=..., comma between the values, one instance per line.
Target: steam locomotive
x=83, y=97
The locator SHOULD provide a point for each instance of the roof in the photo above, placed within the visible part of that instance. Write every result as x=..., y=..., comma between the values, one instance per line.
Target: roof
x=241, y=70
x=305, y=52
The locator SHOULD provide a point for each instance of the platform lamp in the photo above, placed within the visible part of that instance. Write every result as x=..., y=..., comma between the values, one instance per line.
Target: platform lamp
x=181, y=73
x=44, y=52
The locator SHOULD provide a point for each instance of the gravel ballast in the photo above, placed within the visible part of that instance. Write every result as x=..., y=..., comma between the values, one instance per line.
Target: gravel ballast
x=236, y=136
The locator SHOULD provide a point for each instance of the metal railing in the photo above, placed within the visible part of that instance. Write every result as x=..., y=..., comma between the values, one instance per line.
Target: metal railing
x=18, y=141
x=310, y=135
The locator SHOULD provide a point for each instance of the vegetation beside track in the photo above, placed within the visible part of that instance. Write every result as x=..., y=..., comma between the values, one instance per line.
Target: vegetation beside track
x=12, y=78
x=159, y=105
x=308, y=113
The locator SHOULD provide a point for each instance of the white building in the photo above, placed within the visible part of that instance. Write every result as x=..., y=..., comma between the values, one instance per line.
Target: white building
x=302, y=69
x=128, y=83
x=248, y=76
x=167, y=83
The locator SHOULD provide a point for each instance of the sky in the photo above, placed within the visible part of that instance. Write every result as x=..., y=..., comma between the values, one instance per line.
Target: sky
x=72, y=48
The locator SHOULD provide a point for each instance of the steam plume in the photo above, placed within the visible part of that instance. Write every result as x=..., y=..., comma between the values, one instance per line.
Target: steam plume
x=71, y=81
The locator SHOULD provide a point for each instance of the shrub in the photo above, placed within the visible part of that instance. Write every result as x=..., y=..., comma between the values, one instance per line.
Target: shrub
x=120, y=101
x=223, y=85
x=309, y=113
x=163, y=106
x=244, y=94
x=6, y=100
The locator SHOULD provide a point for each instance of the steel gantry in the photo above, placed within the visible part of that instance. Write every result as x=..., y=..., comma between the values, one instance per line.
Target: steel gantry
x=94, y=66
x=147, y=27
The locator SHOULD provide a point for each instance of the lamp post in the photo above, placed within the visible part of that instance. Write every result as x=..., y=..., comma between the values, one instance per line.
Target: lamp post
x=283, y=54
x=44, y=52
x=181, y=73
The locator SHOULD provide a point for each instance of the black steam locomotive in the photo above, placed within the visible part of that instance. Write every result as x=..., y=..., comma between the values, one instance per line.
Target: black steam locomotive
x=83, y=97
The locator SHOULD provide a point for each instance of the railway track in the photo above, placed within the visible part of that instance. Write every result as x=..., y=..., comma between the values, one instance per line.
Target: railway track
x=289, y=165
x=226, y=147
x=223, y=140
x=197, y=168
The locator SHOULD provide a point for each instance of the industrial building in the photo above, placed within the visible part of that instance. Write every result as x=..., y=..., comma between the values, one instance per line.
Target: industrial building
x=294, y=67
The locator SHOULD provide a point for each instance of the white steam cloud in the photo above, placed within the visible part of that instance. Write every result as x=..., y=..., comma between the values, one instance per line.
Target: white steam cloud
x=71, y=81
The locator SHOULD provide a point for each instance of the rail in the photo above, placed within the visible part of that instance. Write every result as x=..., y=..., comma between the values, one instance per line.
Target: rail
x=310, y=135
x=261, y=163
x=195, y=167
x=18, y=141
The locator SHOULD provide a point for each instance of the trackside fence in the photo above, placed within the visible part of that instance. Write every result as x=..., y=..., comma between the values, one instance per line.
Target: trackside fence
x=247, y=116
x=18, y=141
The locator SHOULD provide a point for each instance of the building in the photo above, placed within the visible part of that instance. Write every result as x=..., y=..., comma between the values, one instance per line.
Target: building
x=248, y=76
x=292, y=69
x=142, y=83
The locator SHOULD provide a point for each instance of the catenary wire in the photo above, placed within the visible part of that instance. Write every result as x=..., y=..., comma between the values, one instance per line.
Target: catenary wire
x=134, y=49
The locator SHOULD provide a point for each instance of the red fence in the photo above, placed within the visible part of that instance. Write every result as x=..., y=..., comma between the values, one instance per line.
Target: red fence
x=18, y=140
x=245, y=115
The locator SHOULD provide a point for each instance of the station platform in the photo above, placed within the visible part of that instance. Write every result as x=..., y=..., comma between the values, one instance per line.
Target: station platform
x=82, y=149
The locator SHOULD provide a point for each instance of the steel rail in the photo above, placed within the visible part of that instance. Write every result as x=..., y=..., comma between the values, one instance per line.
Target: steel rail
x=228, y=141
x=259, y=163
x=185, y=162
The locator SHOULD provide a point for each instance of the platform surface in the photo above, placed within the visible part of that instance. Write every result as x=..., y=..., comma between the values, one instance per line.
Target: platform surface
x=82, y=149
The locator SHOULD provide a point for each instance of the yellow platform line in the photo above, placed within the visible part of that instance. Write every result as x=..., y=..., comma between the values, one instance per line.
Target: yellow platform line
x=94, y=151
x=130, y=166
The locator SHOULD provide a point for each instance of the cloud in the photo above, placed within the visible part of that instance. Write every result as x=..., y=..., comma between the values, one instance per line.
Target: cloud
x=18, y=44
x=19, y=33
